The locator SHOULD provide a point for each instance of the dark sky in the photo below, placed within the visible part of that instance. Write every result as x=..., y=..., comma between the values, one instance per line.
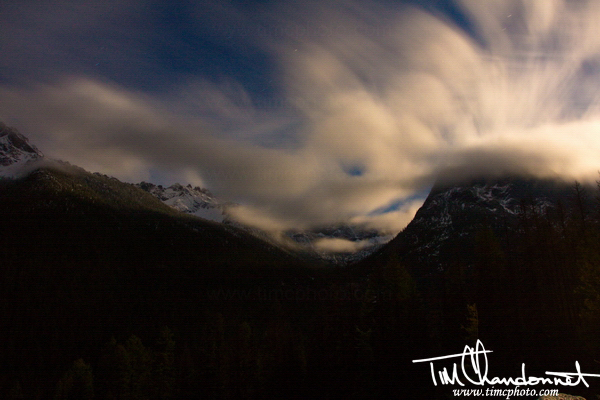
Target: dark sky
x=306, y=112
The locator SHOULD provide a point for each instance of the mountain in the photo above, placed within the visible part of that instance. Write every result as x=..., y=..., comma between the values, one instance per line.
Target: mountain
x=16, y=154
x=446, y=225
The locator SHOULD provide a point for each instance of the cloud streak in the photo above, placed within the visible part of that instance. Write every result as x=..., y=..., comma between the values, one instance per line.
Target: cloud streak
x=398, y=95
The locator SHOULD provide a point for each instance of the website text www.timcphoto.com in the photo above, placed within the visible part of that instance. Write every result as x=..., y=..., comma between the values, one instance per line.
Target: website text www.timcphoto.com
x=542, y=394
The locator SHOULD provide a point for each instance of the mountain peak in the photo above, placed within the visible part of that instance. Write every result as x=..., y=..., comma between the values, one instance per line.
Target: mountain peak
x=10, y=138
x=15, y=152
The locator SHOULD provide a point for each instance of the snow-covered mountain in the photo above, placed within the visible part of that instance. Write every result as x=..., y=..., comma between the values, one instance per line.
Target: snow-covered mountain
x=16, y=154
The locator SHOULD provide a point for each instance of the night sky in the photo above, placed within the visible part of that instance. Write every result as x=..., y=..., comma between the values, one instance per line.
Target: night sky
x=307, y=112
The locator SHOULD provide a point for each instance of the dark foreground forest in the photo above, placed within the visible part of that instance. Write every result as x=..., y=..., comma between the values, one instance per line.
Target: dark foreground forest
x=121, y=299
